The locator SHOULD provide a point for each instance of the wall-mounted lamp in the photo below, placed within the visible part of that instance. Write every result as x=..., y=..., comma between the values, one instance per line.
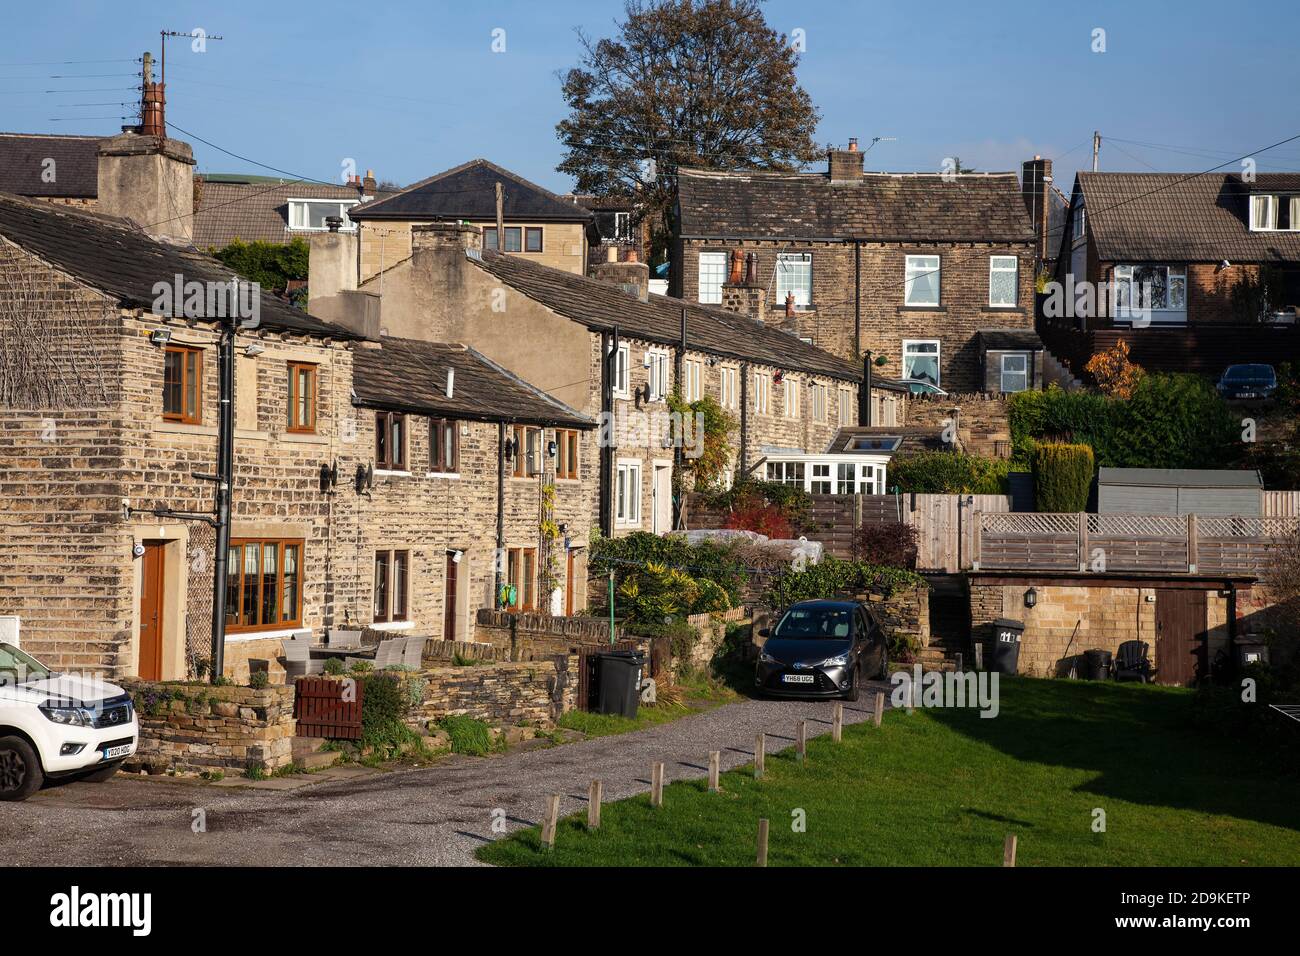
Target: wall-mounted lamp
x=552, y=449
x=456, y=556
x=508, y=449
x=160, y=336
x=252, y=348
x=1031, y=597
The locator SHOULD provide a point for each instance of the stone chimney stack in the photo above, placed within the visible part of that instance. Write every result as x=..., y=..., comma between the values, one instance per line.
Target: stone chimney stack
x=331, y=274
x=442, y=237
x=631, y=275
x=742, y=293
x=844, y=165
x=149, y=180
x=368, y=185
x=1035, y=184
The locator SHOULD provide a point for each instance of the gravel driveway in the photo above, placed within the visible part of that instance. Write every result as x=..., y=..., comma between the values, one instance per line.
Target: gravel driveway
x=435, y=816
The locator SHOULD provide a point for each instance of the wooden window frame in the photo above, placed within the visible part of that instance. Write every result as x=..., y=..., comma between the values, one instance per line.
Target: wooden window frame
x=383, y=426
x=438, y=427
x=237, y=607
x=397, y=587
x=530, y=230
x=185, y=416
x=566, y=460
x=521, y=564
x=492, y=230
x=520, y=434
x=307, y=427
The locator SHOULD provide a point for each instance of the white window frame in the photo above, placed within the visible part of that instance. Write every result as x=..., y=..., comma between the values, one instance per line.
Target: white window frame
x=819, y=406
x=1124, y=275
x=657, y=373
x=297, y=215
x=999, y=264
x=1004, y=372
x=728, y=393
x=762, y=393
x=1080, y=223
x=1270, y=207
x=845, y=405
x=693, y=377
x=913, y=268
x=794, y=274
x=715, y=264
x=792, y=400
x=909, y=351
x=1294, y=225
x=627, y=504
x=622, y=372
x=622, y=226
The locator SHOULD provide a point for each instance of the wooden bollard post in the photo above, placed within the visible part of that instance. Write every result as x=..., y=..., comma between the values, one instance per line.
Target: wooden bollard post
x=762, y=842
x=979, y=656
x=1009, y=850
x=759, y=754
x=960, y=668
x=593, y=805
x=801, y=740
x=552, y=821
x=911, y=696
x=878, y=708
x=715, y=760
x=657, y=785
x=837, y=722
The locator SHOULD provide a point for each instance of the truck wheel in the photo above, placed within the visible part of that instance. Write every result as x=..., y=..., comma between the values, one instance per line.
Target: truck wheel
x=104, y=773
x=20, y=769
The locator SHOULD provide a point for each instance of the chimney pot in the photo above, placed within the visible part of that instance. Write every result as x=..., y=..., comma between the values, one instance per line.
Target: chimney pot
x=632, y=256
x=853, y=144
x=789, y=305
x=611, y=254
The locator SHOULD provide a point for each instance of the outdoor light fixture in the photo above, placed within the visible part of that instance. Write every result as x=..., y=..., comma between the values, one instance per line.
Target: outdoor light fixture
x=552, y=449
x=160, y=336
x=508, y=449
x=1031, y=597
x=252, y=348
x=456, y=556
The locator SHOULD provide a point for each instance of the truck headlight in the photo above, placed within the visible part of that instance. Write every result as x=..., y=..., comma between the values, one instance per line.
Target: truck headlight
x=69, y=716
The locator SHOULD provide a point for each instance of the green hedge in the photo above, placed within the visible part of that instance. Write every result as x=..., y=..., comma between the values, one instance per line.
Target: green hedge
x=833, y=577
x=1062, y=477
x=949, y=473
x=666, y=577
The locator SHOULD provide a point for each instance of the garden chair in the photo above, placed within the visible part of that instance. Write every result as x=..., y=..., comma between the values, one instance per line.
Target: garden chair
x=1133, y=663
x=345, y=638
x=297, y=658
x=413, y=652
x=389, y=653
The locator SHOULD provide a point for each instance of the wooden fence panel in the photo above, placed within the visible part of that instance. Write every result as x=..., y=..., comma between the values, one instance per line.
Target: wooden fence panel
x=321, y=711
x=945, y=528
x=1280, y=504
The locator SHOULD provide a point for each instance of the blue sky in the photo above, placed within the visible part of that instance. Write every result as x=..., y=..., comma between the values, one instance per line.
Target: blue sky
x=411, y=88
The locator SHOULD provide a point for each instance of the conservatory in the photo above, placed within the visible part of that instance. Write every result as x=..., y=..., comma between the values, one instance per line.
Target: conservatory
x=855, y=465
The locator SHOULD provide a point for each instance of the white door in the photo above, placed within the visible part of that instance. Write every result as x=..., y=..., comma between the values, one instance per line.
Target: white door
x=661, y=499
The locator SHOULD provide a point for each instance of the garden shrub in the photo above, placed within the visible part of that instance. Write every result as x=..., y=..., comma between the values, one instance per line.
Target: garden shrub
x=793, y=503
x=272, y=264
x=333, y=666
x=891, y=545
x=948, y=473
x=385, y=703
x=833, y=577
x=468, y=735
x=754, y=514
x=657, y=577
x=259, y=680
x=1062, y=477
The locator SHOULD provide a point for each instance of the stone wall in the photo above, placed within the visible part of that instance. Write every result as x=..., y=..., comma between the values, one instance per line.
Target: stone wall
x=524, y=637
x=199, y=727
x=712, y=630
x=535, y=692
x=983, y=419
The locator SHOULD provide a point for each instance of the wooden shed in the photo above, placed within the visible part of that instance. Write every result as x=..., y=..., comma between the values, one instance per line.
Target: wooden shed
x=1178, y=491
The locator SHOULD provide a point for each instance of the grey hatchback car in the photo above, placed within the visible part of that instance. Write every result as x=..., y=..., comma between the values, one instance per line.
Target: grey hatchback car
x=822, y=649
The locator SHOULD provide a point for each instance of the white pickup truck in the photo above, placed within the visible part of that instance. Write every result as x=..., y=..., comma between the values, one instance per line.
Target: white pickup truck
x=58, y=725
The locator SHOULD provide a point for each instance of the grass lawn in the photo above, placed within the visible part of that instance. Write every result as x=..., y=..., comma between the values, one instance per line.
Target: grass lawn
x=944, y=787
x=698, y=693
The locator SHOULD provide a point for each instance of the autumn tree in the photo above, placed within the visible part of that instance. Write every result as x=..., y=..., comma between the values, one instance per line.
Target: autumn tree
x=704, y=83
x=1115, y=373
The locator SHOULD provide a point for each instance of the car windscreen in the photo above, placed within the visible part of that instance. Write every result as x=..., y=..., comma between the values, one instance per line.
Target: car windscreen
x=17, y=667
x=814, y=623
x=1249, y=373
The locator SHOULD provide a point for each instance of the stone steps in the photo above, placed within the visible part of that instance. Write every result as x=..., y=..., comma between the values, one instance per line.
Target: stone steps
x=308, y=755
x=1054, y=371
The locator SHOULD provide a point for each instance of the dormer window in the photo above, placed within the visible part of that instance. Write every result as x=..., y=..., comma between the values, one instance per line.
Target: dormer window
x=310, y=214
x=1263, y=213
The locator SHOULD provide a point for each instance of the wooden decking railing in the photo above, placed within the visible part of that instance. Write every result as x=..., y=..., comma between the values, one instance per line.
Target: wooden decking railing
x=1172, y=544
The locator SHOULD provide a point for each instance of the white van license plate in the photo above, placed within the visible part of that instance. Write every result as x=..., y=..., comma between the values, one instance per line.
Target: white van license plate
x=798, y=678
x=112, y=752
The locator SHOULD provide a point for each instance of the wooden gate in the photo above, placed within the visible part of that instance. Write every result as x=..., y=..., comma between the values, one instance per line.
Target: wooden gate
x=321, y=710
x=946, y=529
x=1180, y=636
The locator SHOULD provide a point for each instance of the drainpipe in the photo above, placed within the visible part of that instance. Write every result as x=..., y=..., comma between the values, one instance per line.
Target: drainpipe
x=225, y=470
x=679, y=483
x=609, y=342
x=498, y=558
x=864, y=396
x=742, y=462
x=857, y=297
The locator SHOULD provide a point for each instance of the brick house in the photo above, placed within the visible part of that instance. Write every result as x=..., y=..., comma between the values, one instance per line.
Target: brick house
x=108, y=403
x=1178, y=245
x=910, y=267
x=609, y=349
x=539, y=225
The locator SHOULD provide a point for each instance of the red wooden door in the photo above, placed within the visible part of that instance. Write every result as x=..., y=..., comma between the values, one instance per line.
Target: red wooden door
x=1180, y=636
x=151, y=611
x=449, y=599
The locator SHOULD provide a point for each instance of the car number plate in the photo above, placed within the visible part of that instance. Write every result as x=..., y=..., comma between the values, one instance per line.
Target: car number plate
x=120, y=751
x=798, y=678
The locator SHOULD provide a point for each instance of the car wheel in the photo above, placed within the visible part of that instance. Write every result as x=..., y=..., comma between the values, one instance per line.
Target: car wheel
x=855, y=688
x=20, y=769
x=884, y=664
x=104, y=773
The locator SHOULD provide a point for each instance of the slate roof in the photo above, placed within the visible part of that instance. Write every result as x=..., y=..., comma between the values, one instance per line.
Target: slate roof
x=255, y=211
x=1180, y=477
x=601, y=306
x=468, y=191
x=409, y=375
x=113, y=256
x=885, y=207
x=1182, y=217
x=76, y=165
x=1010, y=339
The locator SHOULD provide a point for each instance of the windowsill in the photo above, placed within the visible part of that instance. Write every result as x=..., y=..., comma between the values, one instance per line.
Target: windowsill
x=238, y=637
x=449, y=475
x=1003, y=309
x=305, y=438
x=184, y=428
x=922, y=308
x=393, y=626
x=568, y=481
x=385, y=473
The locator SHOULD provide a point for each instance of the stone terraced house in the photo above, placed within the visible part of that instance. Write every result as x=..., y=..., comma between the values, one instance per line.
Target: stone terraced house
x=610, y=349
x=921, y=269
x=368, y=476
